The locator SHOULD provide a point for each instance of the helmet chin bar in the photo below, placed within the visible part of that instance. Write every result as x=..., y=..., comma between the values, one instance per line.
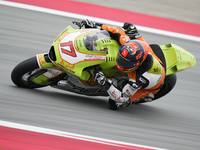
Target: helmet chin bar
x=128, y=69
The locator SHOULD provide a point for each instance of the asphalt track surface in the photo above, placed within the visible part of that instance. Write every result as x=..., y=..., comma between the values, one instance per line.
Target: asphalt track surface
x=172, y=122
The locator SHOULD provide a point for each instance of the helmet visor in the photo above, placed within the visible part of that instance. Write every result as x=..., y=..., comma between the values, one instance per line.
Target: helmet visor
x=124, y=64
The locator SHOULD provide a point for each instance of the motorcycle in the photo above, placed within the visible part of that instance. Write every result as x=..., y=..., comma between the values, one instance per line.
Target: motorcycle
x=76, y=53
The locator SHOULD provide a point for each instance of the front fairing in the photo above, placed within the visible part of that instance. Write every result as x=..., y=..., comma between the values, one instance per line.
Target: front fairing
x=73, y=55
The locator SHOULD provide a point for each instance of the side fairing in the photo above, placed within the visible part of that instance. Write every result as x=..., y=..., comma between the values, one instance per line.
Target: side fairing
x=51, y=72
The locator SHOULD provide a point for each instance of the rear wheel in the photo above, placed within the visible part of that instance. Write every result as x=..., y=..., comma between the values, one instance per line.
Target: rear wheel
x=169, y=84
x=24, y=72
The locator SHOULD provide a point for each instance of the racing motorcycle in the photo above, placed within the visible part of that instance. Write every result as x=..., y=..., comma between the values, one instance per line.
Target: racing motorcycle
x=76, y=53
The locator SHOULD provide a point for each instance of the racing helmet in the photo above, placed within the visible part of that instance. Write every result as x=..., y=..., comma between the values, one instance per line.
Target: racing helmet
x=131, y=55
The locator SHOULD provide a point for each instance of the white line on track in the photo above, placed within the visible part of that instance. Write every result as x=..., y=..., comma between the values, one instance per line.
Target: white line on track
x=71, y=135
x=78, y=16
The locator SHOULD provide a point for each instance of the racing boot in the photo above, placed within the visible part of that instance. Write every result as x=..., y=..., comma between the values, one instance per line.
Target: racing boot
x=148, y=98
x=115, y=105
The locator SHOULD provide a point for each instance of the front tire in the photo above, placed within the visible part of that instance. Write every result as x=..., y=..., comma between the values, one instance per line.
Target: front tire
x=25, y=67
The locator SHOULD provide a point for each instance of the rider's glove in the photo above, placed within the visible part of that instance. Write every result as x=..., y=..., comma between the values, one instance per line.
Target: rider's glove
x=101, y=79
x=88, y=24
x=131, y=30
x=120, y=98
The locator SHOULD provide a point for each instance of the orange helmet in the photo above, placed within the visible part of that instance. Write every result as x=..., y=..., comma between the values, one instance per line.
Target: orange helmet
x=131, y=55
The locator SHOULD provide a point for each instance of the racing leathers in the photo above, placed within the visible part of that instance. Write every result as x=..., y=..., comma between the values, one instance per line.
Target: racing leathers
x=142, y=83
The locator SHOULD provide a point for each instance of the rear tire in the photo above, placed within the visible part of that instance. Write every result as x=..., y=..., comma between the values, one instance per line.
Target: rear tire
x=169, y=84
x=22, y=68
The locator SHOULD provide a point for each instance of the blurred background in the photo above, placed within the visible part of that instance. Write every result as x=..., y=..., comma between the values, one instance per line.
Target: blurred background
x=183, y=10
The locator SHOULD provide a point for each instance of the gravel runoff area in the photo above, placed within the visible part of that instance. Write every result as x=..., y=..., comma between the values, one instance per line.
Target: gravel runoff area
x=182, y=10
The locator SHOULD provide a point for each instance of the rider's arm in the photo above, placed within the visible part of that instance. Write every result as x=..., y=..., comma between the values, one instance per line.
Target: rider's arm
x=121, y=97
x=116, y=33
x=121, y=35
x=124, y=34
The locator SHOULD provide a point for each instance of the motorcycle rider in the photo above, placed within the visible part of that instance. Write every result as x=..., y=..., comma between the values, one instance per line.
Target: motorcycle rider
x=145, y=71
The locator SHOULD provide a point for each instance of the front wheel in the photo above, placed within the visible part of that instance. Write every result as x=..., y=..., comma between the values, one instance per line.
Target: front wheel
x=23, y=73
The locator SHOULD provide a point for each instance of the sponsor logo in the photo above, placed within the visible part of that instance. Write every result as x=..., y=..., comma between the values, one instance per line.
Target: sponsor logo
x=93, y=57
x=115, y=95
x=142, y=80
x=66, y=68
x=54, y=72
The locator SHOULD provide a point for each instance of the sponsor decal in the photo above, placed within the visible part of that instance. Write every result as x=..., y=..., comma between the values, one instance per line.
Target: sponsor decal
x=138, y=56
x=52, y=73
x=114, y=94
x=93, y=57
x=80, y=44
x=142, y=80
x=77, y=47
x=66, y=67
x=124, y=53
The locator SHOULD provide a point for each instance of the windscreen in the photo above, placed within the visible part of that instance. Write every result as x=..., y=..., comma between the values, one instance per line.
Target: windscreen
x=91, y=40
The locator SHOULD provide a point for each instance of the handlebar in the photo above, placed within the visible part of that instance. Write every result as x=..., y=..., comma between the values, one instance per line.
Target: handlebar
x=79, y=24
